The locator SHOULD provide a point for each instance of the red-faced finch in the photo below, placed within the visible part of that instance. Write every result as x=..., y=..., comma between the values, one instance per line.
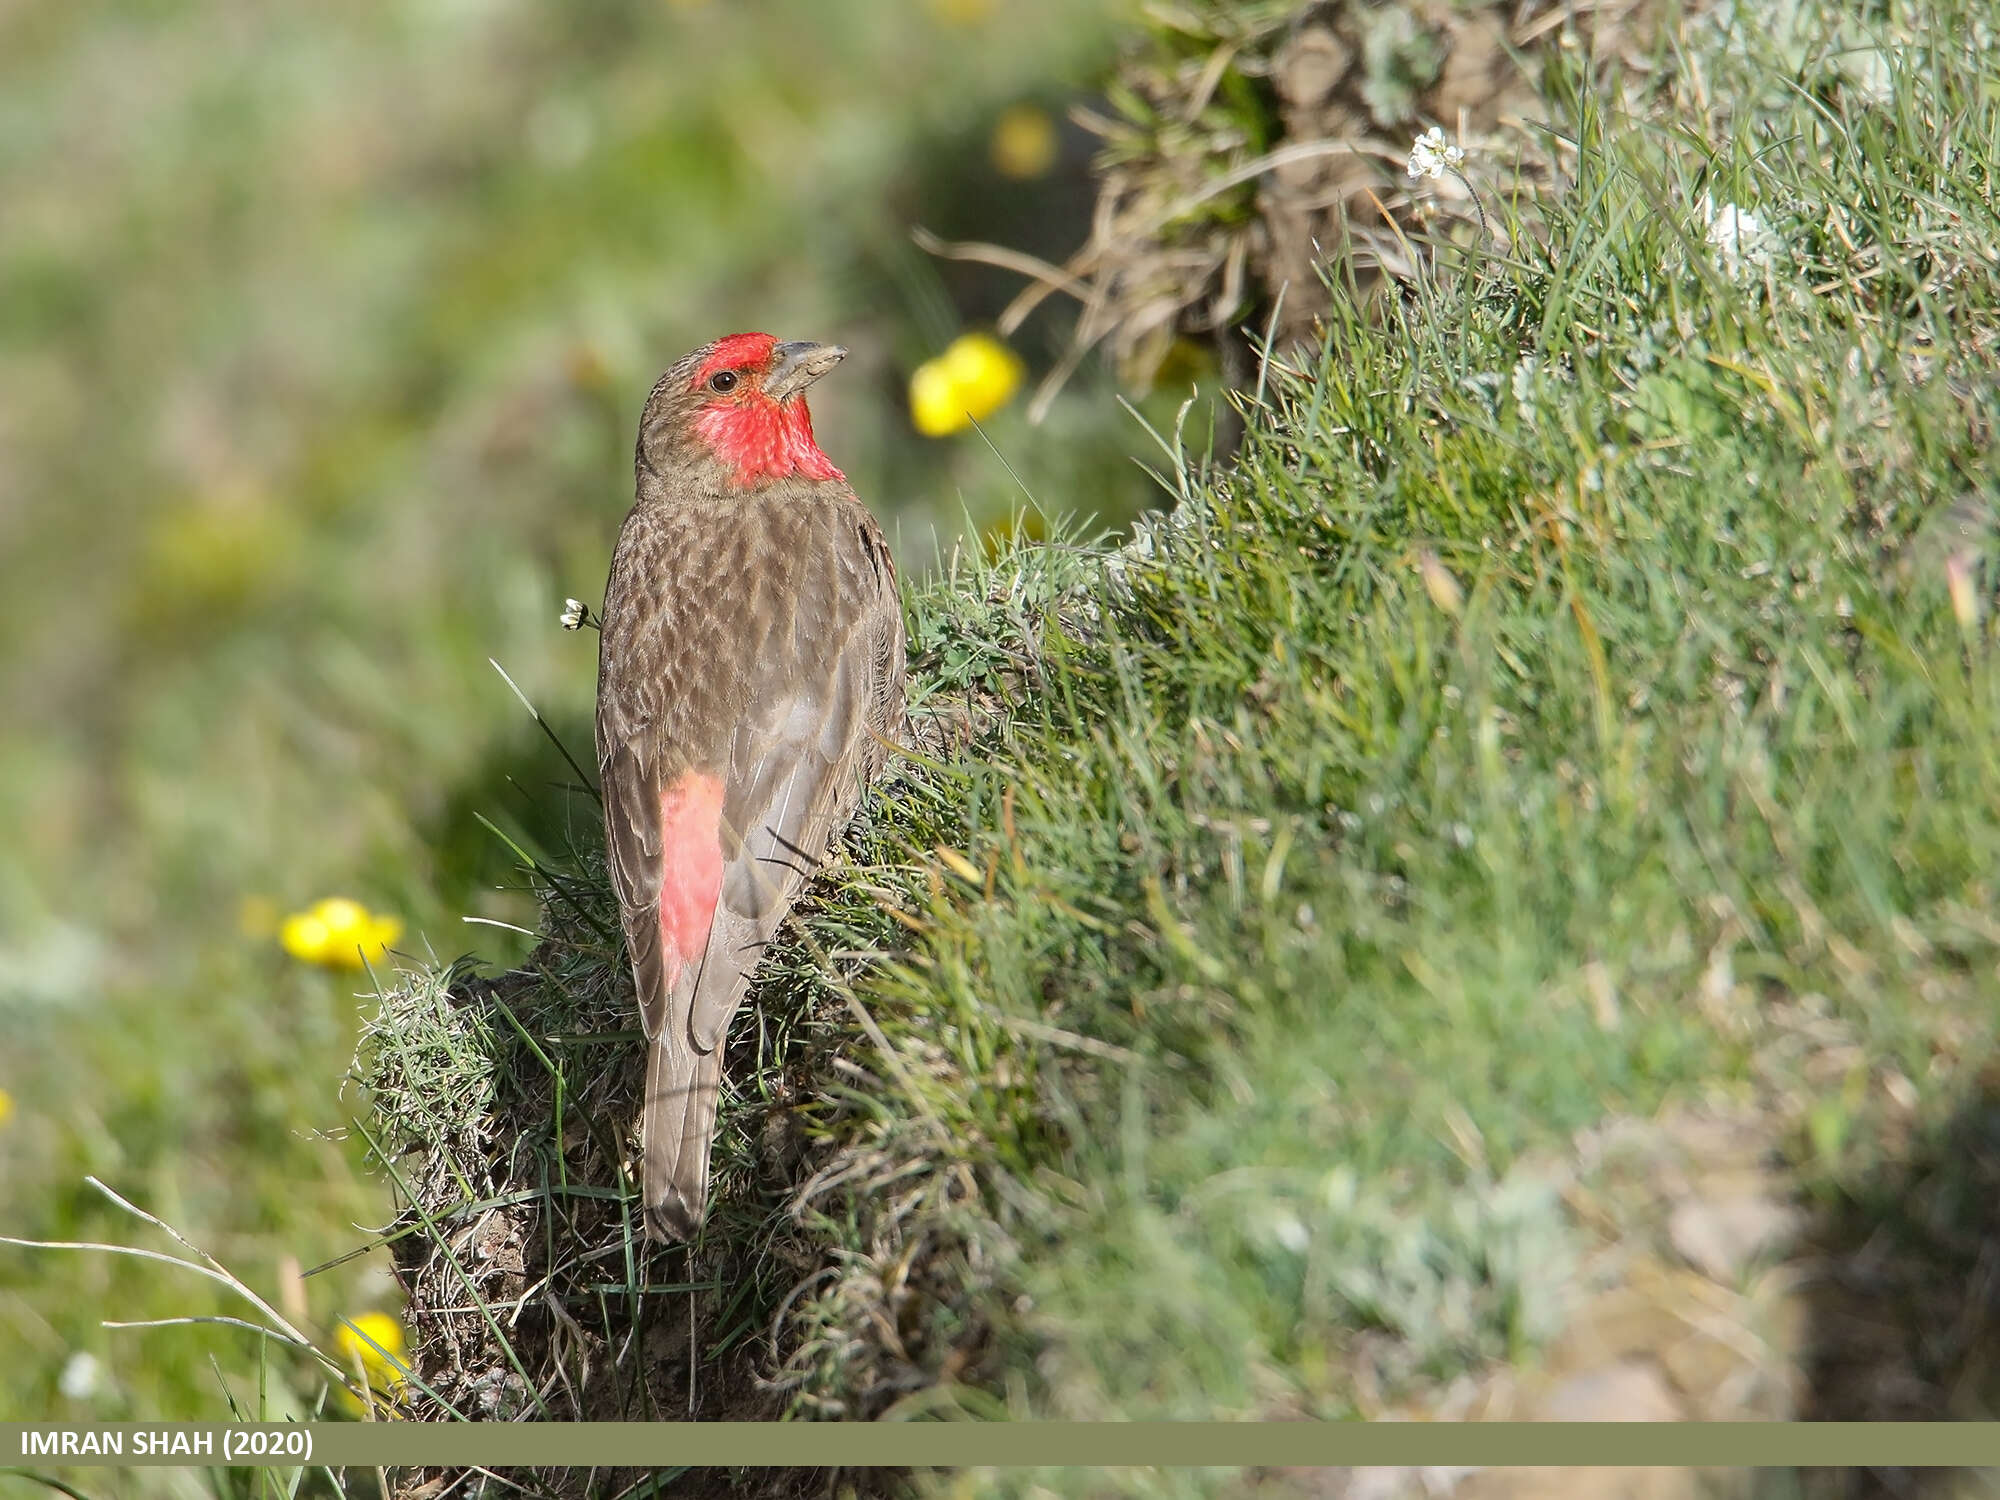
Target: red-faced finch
x=750, y=682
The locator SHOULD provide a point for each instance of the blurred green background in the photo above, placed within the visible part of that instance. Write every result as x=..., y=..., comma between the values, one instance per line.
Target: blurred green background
x=323, y=333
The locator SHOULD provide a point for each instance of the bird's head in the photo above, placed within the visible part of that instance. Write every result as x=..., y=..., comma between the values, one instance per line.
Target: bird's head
x=732, y=415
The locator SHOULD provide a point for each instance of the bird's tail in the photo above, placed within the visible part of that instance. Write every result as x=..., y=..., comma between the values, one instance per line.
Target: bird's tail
x=676, y=1124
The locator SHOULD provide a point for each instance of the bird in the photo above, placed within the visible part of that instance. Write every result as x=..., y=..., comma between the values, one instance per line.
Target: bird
x=750, y=684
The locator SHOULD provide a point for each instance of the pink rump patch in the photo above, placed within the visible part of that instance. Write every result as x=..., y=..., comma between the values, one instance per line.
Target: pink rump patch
x=690, y=868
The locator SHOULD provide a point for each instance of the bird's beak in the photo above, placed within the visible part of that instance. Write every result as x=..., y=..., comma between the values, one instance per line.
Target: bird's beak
x=798, y=366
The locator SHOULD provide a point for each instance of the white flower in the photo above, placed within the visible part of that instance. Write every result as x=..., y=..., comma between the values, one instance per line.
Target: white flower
x=1431, y=157
x=1290, y=1233
x=1865, y=71
x=78, y=1380
x=1741, y=240
x=1523, y=378
x=575, y=612
x=1523, y=382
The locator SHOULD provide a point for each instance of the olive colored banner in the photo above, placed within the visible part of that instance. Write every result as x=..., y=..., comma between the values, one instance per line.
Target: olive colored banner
x=1001, y=1444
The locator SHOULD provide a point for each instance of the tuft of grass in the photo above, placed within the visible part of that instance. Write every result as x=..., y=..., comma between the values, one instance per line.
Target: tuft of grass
x=1570, y=704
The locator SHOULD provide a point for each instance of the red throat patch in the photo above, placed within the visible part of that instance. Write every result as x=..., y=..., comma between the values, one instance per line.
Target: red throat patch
x=690, y=869
x=764, y=439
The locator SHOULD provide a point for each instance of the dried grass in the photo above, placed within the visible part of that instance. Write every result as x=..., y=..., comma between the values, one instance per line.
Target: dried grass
x=1254, y=145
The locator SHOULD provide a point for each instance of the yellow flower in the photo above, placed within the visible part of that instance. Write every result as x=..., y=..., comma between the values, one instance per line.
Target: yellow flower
x=6, y=1106
x=1024, y=142
x=933, y=403
x=985, y=371
x=1021, y=523
x=380, y=1369
x=339, y=934
x=967, y=383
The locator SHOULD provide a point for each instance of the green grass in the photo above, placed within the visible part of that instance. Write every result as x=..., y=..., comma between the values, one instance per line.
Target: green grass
x=1559, y=710
x=1340, y=861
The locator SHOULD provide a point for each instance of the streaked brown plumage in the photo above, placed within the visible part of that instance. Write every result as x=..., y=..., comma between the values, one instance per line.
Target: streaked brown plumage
x=750, y=679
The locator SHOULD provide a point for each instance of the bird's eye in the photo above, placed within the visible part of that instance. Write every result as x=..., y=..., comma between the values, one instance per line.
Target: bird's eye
x=722, y=380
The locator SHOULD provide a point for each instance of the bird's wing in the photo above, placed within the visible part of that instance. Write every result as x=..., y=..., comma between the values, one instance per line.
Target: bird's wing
x=629, y=782
x=799, y=758
x=656, y=676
